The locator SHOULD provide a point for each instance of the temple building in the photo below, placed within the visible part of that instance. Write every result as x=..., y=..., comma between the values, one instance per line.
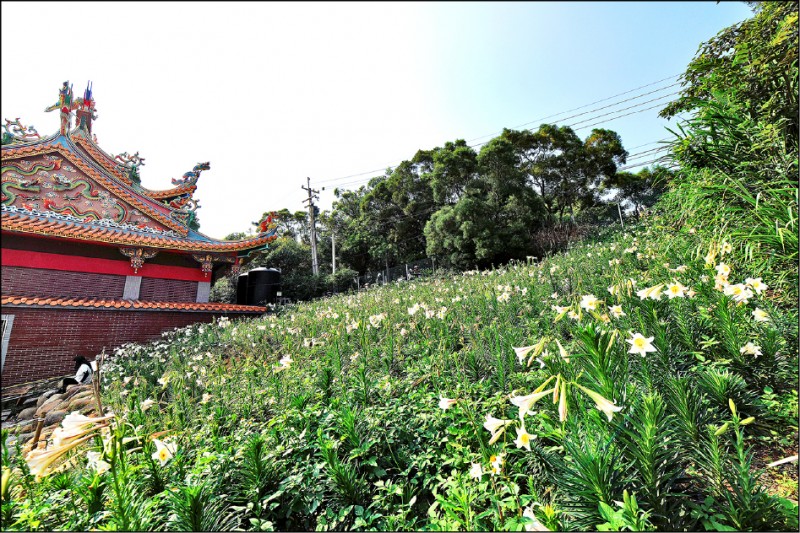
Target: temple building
x=90, y=258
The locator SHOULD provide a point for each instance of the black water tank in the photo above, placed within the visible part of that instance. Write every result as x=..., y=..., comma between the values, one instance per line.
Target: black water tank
x=263, y=285
x=241, y=289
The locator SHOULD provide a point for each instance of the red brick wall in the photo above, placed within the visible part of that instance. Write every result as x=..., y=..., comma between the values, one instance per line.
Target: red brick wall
x=44, y=342
x=168, y=290
x=21, y=281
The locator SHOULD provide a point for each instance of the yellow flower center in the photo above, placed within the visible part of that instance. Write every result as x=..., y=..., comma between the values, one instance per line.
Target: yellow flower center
x=163, y=454
x=638, y=342
x=525, y=438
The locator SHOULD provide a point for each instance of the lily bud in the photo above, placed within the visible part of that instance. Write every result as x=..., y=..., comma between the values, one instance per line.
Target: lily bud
x=722, y=429
x=746, y=421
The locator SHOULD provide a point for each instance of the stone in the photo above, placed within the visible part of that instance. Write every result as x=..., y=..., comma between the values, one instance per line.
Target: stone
x=24, y=437
x=45, y=396
x=54, y=417
x=48, y=405
x=27, y=414
x=29, y=402
x=76, y=404
x=76, y=390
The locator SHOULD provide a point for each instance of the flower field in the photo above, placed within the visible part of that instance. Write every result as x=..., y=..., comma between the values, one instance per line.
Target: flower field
x=640, y=381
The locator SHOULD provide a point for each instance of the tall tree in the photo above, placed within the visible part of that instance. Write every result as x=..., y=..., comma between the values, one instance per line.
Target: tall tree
x=455, y=166
x=565, y=171
x=494, y=217
x=640, y=189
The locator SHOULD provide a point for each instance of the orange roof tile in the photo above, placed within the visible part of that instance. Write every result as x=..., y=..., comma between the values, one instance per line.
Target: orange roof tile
x=135, y=304
x=23, y=223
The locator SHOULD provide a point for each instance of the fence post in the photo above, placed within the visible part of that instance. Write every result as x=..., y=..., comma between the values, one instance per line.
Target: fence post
x=39, y=425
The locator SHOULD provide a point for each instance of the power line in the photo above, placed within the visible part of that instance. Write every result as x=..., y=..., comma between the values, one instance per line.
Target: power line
x=365, y=181
x=591, y=110
x=648, y=144
x=331, y=180
x=621, y=116
x=624, y=109
x=656, y=160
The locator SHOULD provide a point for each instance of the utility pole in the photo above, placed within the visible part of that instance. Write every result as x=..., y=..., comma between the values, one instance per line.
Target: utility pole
x=312, y=194
x=333, y=251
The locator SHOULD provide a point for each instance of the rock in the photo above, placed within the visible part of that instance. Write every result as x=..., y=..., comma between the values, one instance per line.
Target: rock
x=54, y=417
x=48, y=405
x=24, y=437
x=77, y=390
x=45, y=396
x=29, y=402
x=27, y=414
x=76, y=404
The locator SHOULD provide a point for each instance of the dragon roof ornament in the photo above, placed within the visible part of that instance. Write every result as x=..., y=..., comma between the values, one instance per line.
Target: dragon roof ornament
x=15, y=132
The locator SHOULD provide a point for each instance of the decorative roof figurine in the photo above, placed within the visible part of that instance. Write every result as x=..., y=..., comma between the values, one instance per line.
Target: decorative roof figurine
x=67, y=177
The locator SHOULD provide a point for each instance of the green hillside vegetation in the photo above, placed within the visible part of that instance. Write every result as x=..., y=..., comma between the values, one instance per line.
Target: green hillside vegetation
x=641, y=380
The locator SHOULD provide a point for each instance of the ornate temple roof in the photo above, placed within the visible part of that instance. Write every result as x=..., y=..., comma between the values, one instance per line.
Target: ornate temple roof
x=65, y=186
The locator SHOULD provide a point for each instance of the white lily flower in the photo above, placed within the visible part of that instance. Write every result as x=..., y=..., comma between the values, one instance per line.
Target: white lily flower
x=654, y=293
x=562, y=352
x=562, y=403
x=164, y=451
x=760, y=316
x=524, y=438
x=496, y=463
x=751, y=349
x=675, y=290
x=640, y=344
x=96, y=463
x=522, y=352
x=589, y=302
x=446, y=403
x=475, y=472
x=601, y=403
x=757, y=284
x=525, y=403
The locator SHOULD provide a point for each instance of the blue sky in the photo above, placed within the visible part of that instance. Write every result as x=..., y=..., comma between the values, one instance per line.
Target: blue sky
x=270, y=93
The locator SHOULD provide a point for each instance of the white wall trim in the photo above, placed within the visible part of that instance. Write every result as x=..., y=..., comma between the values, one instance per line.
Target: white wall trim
x=203, y=291
x=133, y=285
x=8, y=323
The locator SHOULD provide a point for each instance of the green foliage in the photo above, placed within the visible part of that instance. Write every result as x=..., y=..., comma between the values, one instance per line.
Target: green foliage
x=223, y=290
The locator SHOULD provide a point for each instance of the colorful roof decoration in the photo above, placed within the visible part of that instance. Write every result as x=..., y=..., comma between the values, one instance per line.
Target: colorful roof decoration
x=65, y=185
x=95, y=303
